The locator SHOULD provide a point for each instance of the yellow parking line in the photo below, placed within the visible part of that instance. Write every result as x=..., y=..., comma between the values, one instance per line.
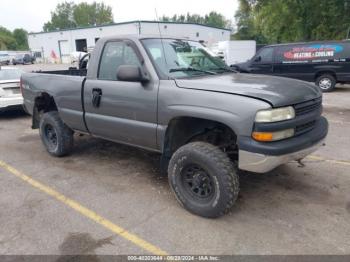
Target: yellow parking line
x=333, y=161
x=85, y=211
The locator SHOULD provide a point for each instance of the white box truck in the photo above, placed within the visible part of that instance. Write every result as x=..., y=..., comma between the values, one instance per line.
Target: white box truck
x=234, y=52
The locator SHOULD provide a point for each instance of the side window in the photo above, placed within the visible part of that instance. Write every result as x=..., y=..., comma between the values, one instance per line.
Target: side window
x=114, y=55
x=266, y=55
x=130, y=57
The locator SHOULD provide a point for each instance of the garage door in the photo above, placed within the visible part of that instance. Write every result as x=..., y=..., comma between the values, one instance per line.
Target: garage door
x=64, y=51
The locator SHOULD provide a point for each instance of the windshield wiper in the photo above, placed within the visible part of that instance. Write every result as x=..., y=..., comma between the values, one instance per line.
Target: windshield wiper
x=189, y=69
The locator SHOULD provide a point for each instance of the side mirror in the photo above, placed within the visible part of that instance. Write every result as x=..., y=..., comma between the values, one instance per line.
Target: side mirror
x=131, y=73
x=257, y=59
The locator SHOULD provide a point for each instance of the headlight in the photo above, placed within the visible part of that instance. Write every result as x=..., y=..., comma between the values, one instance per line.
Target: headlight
x=275, y=115
x=272, y=136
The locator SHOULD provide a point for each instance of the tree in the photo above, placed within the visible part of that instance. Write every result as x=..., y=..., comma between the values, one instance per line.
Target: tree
x=20, y=35
x=16, y=40
x=245, y=28
x=211, y=19
x=92, y=14
x=69, y=15
x=7, y=41
x=216, y=19
x=61, y=18
x=277, y=21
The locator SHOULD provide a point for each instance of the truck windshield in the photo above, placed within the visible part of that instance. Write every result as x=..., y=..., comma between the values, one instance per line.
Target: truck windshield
x=183, y=58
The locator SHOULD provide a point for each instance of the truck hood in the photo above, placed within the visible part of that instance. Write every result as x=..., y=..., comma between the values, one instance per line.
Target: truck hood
x=277, y=91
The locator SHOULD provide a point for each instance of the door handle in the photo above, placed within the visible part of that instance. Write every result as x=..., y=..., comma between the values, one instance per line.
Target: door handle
x=96, y=96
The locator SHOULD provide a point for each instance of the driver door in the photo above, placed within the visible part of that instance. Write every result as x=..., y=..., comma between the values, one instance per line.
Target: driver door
x=262, y=63
x=126, y=111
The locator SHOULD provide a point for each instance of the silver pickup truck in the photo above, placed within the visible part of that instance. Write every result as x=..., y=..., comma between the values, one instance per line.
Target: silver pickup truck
x=171, y=96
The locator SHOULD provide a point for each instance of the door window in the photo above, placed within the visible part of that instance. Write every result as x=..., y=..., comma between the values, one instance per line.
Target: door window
x=266, y=55
x=114, y=55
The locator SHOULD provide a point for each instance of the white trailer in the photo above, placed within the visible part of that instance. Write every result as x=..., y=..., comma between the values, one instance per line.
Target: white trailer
x=234, y=52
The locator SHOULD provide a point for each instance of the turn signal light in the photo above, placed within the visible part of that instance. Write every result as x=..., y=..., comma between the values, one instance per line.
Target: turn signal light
x=262, y=136
x=273, y=136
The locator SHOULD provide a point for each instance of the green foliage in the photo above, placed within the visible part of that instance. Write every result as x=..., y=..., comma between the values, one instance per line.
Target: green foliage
x=211, y=19
x=92, y=14
x=20, y=35
x=278, y=21
x=61, y=18
x=70, y=15
x=13, y=41
x=216, y=19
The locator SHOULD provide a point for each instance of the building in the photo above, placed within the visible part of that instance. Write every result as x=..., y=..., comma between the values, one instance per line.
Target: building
x=58, y=45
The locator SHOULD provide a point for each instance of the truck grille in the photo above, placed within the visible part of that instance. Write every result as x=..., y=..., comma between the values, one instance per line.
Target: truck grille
x=301, y=129
x=303, y=109
x=308, y=106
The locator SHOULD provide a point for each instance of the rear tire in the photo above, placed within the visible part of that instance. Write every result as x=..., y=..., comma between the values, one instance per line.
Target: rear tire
x=204, y=179
x=55, y=135
x=326, y=83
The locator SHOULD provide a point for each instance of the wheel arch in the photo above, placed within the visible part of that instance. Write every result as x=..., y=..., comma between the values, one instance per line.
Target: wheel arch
x=43, y=103
x=184, y=129
x=325, y=72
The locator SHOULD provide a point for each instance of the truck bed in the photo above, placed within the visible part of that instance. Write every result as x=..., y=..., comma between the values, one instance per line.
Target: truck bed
x=65, y=86
x=70, y=71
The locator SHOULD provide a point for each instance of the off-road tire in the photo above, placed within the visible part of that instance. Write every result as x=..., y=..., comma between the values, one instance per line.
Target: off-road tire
x=217, y=166
x=63, y=134
x=330, y=79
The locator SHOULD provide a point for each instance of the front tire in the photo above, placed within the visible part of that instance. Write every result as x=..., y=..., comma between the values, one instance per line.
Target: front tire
x=326, y=83
x=55, y=135
x=205, y=181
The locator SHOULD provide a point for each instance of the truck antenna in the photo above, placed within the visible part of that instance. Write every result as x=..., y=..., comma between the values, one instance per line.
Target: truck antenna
x=160, y=34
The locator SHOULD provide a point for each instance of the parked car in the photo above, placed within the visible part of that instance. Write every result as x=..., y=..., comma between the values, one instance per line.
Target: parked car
x=23, y=59
x=325, y=63
x=4, y=59
x=170, y=96
x=10, y=93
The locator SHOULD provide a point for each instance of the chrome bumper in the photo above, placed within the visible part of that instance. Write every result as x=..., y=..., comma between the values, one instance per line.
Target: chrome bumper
x=259, y=163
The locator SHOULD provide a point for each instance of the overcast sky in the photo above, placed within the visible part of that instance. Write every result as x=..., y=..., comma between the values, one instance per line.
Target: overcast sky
x=32, y=14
